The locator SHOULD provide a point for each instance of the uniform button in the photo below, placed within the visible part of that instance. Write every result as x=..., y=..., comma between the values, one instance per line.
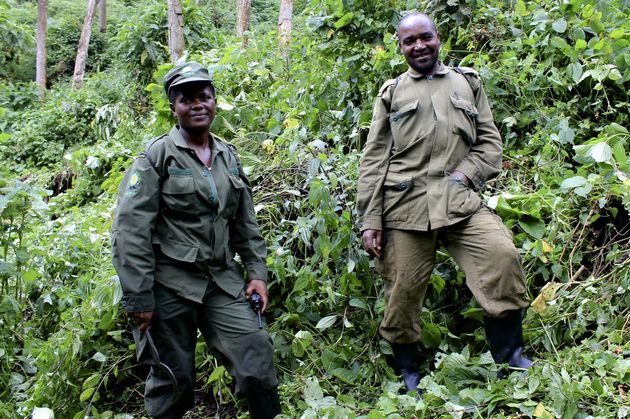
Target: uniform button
x=403, y=186
x=211, y=199
x=204, y=172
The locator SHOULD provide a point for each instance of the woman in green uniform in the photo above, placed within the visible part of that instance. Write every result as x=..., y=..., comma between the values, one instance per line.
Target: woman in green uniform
x=184, y=210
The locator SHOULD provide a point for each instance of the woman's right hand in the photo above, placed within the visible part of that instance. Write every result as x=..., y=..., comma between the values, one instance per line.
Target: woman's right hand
x=142, y=319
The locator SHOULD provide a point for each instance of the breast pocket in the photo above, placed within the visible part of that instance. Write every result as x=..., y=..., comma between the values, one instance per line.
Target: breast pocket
x=401, y=123
x=235, y=189
x=178, y=194
x=465, y=119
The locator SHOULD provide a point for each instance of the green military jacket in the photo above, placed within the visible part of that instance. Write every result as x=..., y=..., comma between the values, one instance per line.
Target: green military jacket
x=424, y=128
x=180, y=223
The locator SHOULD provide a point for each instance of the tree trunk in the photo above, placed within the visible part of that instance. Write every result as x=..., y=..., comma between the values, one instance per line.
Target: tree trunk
x=284, y=23
x=243, y=12
x=175, y=29
x=40, y=60
x=84, y=42
x=102, y=16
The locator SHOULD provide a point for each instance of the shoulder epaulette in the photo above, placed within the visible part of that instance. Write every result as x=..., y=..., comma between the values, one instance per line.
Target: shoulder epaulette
x=152, y=142
x=469, y=70
x=148, y=146
x=232, y=147
x=472, y=77
x=388, y=83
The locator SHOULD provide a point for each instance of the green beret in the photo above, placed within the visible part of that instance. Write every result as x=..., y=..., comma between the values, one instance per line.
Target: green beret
x=186, y=73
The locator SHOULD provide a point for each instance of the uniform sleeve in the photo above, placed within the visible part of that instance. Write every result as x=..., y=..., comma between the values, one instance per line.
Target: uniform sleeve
x=134, y=224
x=245, y=237
x=484, y=160
x=374, y=164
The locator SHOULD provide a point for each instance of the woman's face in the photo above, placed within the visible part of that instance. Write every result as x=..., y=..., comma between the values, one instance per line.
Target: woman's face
x=194, y=107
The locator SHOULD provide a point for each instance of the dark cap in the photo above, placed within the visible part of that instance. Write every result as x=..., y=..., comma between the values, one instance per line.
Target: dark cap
x=186, y=73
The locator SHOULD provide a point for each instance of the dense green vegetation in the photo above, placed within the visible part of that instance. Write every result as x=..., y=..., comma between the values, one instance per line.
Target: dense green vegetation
x=557, y=75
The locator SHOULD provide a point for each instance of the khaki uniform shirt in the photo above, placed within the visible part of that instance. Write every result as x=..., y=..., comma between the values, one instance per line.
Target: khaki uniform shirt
x=180, y=223
x=424, y=128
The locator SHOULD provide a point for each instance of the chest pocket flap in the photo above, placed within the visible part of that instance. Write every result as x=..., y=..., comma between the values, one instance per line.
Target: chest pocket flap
x=405, y=110
x=466, y=106
x=179, y=251
x=176, y=185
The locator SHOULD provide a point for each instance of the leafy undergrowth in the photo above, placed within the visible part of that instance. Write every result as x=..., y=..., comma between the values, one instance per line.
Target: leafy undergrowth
x=557, y=76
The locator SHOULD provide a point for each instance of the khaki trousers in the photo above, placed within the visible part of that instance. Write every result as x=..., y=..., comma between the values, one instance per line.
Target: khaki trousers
x=482, y=247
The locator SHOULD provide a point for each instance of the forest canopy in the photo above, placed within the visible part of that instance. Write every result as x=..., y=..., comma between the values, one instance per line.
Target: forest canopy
x=557, y=75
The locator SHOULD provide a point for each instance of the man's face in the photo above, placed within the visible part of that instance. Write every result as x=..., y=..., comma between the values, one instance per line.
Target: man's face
x=420, y=44
x=194, y=107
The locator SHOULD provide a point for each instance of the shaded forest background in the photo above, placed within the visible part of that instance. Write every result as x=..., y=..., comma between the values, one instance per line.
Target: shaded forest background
x=557, y=75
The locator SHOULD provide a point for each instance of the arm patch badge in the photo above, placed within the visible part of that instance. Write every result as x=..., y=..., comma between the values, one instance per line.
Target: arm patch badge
x=134, y=183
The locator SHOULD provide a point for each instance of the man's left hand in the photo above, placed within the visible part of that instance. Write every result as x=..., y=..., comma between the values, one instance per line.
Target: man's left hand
x=462, y=176
x=260, y=287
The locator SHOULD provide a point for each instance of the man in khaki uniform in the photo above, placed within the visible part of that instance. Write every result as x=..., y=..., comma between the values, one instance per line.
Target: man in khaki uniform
x=432, y=145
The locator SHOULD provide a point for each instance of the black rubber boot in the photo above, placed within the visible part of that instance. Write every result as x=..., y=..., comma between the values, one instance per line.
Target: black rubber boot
x=263, y=404
x=505, y=336
x=405, y=364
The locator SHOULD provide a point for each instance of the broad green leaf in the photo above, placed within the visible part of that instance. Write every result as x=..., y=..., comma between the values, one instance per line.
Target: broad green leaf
x=559, y=43
x=325, y=322
x=216, y=374
x=430, y=335
x=588, y=153
x=617, y=33
x=86, y=394
x=614, y=74
x=521, y=9
x=453, y=360
x=99, y=357
x=355, y=302
x=615, y=128
x=344, y=375
x=580, y=44
x=344, y=20
x=575, y=71
x=573, y=182
x=302, y=340
x=601, y=152
x=30, y=276
x=559, y=25
x=314, y=396
x=621, y=157
x=92, y=380
x=532, y=226
x=438, y=283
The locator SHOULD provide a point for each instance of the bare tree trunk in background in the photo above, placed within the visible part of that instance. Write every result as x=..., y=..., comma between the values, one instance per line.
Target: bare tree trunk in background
x=84, y=42
x=40, y=60
x=284, y=23
x=243, y=13
x=175, y=29
x=102, y=16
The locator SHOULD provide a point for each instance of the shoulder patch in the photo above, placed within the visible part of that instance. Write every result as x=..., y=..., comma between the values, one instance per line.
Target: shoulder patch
x=134, y=183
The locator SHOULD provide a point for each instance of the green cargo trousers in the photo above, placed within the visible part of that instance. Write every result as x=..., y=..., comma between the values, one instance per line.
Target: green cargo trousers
x=230, y=329
x=482, y=247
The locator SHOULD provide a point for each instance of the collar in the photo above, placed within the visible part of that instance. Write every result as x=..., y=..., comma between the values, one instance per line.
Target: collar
x=441, y=70
x=178, y=139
